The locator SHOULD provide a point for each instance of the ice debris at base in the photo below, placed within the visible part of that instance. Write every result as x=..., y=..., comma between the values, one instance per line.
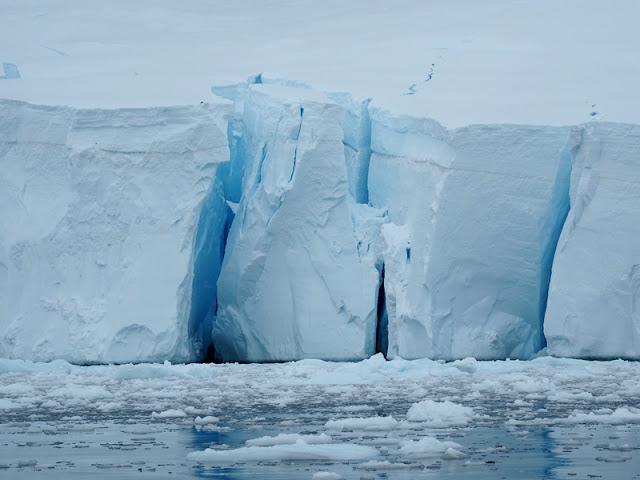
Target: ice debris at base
x=430, y=446
x=49, y=399
x=111, y=231
x=286, y=452
x=296, y=281
x=299, y=224
x=440, y=414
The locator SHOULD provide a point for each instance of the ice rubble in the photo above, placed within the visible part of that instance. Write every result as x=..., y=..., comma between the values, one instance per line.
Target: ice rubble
x=111, y=231
x=351, y=230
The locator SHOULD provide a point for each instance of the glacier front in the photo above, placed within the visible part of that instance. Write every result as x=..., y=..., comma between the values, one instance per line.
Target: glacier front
x=297, y=279
x=594, y=297
x=111, y=233
x=289, y=223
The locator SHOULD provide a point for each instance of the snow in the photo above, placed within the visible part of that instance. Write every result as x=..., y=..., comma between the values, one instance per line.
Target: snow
x=488, y=61
x=285, y=452
x=109, y=219
x=592, y=310
x=440, y=414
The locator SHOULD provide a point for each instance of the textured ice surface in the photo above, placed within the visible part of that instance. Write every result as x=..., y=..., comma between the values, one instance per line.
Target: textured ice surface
x=296, y=281
x=107, y=220
x=474, y=215
x=594, y=297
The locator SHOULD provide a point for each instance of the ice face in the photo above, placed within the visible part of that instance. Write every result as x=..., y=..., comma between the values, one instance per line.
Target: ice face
x=595, y=288
x=111, y=232
x=474, y=214
x=296, y=281
x=296, y=224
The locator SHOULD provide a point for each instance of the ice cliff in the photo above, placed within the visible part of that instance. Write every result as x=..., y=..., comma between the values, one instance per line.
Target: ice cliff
x=111, y=231
x=288, y=223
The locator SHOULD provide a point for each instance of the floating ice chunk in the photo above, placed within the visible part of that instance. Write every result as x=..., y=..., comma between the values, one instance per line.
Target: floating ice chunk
x=366, y=424
x=474, y=216
x=296, y=281
x=431, y=447
x=111, y=230
x=209, y=419
x=384, y=465
x=619, y=416
x=288, y=439
x=326, y=476
x=297, y=451
x=440, y=414
x=171, y=413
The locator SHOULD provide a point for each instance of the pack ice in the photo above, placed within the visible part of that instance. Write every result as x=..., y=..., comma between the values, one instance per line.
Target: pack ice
x=297, y=279
x=111, y=231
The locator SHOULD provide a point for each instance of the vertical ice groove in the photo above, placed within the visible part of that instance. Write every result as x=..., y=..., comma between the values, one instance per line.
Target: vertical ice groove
x=295, y=282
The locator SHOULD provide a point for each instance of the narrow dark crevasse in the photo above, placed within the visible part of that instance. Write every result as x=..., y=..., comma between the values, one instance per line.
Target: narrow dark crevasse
x=562, y=204
x=382, y=325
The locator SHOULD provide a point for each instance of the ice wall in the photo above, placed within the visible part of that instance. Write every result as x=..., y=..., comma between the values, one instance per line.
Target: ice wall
x=298, y=279
x=294, y=224
x=111, y=231
x=474, y=214
x=594, y=298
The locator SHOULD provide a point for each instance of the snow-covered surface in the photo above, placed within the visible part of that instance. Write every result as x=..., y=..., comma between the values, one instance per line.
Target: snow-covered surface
x=549, y=417
x=594, y=297
x=534, y=61
x=108, y=218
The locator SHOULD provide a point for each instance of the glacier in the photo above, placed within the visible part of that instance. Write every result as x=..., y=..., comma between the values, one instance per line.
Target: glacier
x=112, y=230
x=280, y=222
x=296, y=281
x=593, y=309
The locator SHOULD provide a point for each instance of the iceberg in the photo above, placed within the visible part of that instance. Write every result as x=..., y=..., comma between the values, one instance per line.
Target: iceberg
x=112, y=231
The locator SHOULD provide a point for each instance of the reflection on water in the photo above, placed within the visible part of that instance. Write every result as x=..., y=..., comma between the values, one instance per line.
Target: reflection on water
x=118, y=451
